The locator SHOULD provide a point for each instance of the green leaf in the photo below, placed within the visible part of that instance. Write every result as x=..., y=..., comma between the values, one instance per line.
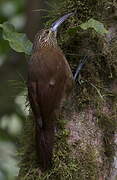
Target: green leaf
x=92, y=23
x=17, y=41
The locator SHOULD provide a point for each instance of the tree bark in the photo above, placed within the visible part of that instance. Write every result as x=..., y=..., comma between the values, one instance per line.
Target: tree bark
x=86, y=136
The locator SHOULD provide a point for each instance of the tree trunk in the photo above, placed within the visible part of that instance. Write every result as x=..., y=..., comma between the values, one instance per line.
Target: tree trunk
x=86, y=136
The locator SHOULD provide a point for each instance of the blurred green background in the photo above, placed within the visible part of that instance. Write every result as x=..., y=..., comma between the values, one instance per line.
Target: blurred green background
x=13, y=72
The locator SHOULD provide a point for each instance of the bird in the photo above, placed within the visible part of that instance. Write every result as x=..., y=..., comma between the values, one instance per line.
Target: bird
x=50, y=81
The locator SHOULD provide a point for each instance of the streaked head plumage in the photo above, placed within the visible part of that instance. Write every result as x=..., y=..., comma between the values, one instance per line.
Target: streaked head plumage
x=47, y=37
x=44, y=38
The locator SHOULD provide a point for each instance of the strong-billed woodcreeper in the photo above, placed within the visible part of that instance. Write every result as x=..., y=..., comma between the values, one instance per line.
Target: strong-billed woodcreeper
x=49, y=78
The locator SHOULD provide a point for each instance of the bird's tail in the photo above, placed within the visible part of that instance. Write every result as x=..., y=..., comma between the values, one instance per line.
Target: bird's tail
x=44, y=145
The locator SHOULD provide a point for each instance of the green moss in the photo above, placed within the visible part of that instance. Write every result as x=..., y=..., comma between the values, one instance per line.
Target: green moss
x=108, y=126
x=65, y=165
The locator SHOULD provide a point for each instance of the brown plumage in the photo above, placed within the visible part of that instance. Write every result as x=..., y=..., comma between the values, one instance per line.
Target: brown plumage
x=49, y=78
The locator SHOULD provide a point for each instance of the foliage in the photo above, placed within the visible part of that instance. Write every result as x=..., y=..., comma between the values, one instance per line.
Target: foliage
x=20, y=43
x=93, y=24
x=8, y=163
x=10, y=120
x=17, y=41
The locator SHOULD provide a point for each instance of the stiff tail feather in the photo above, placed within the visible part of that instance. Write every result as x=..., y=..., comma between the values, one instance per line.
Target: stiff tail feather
x=44, y=145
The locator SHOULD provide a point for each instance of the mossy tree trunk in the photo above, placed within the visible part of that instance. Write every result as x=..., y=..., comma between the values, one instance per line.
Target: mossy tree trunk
x=85, y=146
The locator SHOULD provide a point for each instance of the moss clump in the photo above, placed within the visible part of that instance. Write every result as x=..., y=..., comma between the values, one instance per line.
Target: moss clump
x=65, y=165
x=108, y=126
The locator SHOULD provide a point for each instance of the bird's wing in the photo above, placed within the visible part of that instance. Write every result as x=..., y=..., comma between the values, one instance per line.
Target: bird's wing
x=47, y=78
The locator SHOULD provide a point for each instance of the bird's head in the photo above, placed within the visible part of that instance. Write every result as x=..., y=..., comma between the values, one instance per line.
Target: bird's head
x=48, y=36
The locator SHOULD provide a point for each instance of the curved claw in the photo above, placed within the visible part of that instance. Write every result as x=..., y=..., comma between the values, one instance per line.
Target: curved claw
x=82, y=62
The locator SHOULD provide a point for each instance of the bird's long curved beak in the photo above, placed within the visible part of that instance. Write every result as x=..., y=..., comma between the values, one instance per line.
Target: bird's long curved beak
x=57, y=23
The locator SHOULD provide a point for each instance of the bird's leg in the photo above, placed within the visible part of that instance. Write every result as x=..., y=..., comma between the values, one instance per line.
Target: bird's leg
x=82, y=62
